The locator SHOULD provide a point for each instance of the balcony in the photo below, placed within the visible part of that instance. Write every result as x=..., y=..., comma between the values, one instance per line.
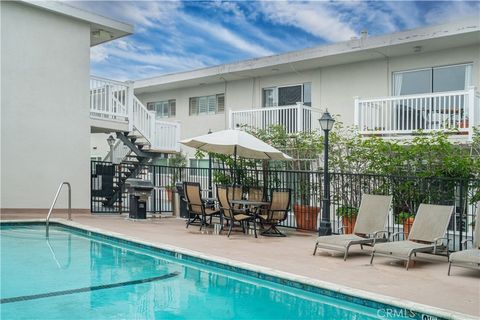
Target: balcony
x=114, y=103
x=455, y=112
x=297, y=118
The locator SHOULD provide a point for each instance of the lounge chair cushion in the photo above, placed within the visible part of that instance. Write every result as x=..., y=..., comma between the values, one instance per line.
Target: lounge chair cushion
x=401, y=248
x=466, y=256
x=341, y=240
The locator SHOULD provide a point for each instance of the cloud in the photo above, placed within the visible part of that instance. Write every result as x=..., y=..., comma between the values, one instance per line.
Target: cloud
x=98, y=54
x=227, y=36
x=450, y=11
x=315, y=18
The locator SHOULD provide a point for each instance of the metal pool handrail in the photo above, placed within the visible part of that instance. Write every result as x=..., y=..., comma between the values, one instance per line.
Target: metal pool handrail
x=55, y=200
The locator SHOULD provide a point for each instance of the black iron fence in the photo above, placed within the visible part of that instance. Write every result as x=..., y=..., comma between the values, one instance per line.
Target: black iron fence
x=307, y=186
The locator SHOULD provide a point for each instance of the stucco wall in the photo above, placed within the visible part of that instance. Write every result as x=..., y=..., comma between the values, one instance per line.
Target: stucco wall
x=45, y=131
x=333, y=87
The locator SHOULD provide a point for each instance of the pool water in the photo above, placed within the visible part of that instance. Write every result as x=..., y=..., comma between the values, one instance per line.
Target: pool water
x=75, y=276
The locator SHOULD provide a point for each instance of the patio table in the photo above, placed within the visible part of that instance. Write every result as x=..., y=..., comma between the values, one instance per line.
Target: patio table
x=251, y=204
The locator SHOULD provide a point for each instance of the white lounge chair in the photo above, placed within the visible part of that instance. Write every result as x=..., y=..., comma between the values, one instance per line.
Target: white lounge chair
x=468, y=258
x=370, y=224
x=427, y=234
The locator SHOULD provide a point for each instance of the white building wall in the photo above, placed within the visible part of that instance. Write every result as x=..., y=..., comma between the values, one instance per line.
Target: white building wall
x=45, y=132
x=333, y=87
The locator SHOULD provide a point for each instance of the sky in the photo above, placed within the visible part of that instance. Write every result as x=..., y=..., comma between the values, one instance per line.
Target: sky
x=175, y=36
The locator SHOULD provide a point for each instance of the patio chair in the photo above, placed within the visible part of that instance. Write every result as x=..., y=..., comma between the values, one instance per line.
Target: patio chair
x=232, y=214
x=369, y=227
x=276, y=212
x=427, y=234
x=255, y=194
x=235, y=193
x=196, y=206
x=468, y=258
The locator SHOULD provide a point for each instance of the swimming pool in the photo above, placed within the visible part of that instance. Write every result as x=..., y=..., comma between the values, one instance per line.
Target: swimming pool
x=77, y=274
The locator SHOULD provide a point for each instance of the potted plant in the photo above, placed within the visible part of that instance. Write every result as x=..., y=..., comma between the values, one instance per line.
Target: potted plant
x=306, y=214
x=349, y=218
x=178, y=161
x=406, y=218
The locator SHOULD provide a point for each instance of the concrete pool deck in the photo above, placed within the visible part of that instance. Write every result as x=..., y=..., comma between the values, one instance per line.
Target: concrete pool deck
x=425, y=283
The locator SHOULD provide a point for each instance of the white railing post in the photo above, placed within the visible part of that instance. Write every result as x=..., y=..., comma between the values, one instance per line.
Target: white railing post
x=471, y=111
x=130, y=95
x=153, y=130
x=300, y=126
x=177, y=136
x=356, y=113
x=230, y=119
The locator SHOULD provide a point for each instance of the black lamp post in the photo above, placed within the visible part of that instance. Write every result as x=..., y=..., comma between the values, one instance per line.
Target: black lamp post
x=210, y=193
x=326, y=123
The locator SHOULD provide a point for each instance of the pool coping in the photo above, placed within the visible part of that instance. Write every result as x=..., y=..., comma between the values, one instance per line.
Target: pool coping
x=402, y=304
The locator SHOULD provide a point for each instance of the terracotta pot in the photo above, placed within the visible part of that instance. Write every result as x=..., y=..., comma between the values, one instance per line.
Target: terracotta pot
x=349, y=224
x=464, y=124
x=306, y=217
x=169, y=194
x=407, y=226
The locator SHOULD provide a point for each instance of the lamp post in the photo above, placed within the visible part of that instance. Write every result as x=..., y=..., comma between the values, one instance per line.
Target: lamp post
x=210, y=193
x=111, y=142
x=326, y=123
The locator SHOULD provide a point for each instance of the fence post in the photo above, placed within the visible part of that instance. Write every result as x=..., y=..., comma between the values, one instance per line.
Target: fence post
x=130, y=96
x=300, y=117
x=471, y=111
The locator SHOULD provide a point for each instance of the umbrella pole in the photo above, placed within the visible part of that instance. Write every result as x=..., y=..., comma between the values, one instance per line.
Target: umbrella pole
x=234, y=165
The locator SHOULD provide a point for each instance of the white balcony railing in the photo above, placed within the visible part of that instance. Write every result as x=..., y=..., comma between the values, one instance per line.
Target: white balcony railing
x=115, y=101
x=456, y=111
x=297, y=118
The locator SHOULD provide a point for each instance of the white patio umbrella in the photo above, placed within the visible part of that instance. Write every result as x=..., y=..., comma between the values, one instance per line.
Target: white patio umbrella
x=236, y=143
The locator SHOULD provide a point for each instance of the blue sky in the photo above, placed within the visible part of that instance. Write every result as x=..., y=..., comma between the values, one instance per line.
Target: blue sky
x=173, y=36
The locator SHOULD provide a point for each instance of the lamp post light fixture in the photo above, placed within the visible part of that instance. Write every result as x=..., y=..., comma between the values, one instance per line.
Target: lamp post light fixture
x=210, y=191
x=326, y=123
x=111, y=142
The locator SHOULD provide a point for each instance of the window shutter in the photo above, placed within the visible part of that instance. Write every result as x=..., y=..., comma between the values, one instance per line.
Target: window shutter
x=173, y=107
x=212, y=104
x=220, y=103
x=193, y=107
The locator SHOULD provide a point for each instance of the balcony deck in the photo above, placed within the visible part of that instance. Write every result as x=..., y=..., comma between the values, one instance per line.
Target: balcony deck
x=114, y=107
x=455, y=112
x=426, y=283
x=296, y=118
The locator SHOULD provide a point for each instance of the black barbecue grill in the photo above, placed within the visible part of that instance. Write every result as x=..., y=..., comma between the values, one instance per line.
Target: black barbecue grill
x=139, y=191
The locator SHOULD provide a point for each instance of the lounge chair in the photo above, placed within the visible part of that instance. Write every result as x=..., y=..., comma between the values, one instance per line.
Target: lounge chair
x=197, y=206
x=276, y=212
x=427, y=234
x=468, y=258
x=231, y=214
x=369, y=227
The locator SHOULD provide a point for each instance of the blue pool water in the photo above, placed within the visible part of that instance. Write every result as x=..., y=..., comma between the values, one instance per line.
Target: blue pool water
x=75, y=276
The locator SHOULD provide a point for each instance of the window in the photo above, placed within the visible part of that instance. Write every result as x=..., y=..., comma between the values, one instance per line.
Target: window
x=207, y=105
x=201, y=164
x=287, y=95
x=438, y=79
x=163, y=109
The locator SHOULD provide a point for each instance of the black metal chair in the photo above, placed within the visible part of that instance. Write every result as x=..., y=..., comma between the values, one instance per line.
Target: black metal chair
x=231, y=214
x=196, y=206
x=276, y=212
